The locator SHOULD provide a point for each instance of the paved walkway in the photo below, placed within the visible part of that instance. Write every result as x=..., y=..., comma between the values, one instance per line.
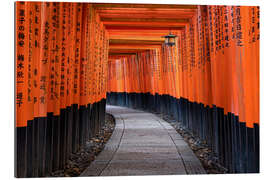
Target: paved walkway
x=143, y=144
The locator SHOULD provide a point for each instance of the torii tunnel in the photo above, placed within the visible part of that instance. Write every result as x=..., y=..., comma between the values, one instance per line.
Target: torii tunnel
x=73, y=58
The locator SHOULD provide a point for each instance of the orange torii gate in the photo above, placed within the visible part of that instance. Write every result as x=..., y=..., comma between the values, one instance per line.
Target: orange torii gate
x=209, y=80
x=69, y=55
x=61, y=60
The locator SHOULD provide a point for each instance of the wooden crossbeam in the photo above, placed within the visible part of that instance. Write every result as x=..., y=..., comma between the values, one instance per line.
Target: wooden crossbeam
x=121, y=54
x=131, y=28
x=132, y=41
x=139, y=23
x=179, y=20
x=144, y=11
x=125, y=50
x=137, y=37
x=148, y=6
x=134, y=46
x=149, y=15
x=134, y=28
x=139, y=32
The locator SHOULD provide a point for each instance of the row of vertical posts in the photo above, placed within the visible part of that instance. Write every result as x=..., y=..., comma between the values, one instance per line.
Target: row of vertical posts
x=61, y=64
x=208, y=81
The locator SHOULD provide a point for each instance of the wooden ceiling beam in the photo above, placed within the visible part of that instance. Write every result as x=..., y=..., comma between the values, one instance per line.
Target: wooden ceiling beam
x=119, y=57
x=119, y=23
x=125, y=50
x=135, y=28
x=132, y=41
x=146, y=15
x=143, y=32
x=140, y=34
x=144, y=6
x=179, y=20
x=145, y=11
x=123, y=37
x=131, y=28
x=134, y=46
x=132, y=35
x=137, y=36
x=121, y=54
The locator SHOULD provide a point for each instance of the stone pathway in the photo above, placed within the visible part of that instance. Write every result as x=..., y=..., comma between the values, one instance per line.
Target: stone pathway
x=143, y=144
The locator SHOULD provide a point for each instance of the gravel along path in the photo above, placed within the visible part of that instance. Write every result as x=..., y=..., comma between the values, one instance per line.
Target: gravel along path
x=79, y=161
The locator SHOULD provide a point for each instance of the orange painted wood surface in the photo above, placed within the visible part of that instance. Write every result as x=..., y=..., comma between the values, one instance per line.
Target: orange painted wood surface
x=73, y=53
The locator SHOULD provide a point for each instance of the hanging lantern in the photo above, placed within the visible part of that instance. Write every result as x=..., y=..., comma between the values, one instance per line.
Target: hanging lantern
x=170, y=39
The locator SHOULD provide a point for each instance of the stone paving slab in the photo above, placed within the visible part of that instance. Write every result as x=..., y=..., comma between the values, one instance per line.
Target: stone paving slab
x=145, y=154
x=149, y=167
x=143, y=144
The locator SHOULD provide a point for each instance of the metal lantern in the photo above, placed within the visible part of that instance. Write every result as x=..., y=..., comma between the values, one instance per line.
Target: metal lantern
x=170, y=39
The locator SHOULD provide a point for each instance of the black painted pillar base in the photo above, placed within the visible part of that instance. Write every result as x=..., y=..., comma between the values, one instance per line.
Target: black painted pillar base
x=20, y=152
